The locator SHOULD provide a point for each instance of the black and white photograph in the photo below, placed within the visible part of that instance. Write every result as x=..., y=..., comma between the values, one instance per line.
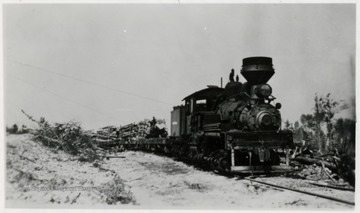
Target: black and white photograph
x=176, y=105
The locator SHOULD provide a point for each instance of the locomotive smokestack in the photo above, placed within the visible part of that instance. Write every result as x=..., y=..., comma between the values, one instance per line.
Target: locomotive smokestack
x=257, y=70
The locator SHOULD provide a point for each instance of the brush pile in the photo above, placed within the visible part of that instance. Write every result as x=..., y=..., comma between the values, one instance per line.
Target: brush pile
x=68, y=137
x=331, y=167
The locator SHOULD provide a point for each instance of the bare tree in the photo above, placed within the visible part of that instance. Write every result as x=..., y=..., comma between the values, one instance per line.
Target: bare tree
x=324, y=111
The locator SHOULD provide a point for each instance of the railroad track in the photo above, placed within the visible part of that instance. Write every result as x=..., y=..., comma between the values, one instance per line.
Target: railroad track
x=303, y=192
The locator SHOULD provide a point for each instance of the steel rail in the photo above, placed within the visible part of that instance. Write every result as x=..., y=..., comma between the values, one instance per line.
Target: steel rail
x=333, y=187
x=303, y=192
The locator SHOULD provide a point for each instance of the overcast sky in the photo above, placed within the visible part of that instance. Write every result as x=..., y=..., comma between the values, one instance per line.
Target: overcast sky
x=115, y=64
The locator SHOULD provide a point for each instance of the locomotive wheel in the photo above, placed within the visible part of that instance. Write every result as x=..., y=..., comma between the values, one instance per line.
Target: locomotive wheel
x=203, y=146
x=220, y=161
x=183, y=151
x=191, y=155
x=225, y=161
x=214, y=159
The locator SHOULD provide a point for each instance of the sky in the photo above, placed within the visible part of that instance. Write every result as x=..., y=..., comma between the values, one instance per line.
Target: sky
x=114, y=64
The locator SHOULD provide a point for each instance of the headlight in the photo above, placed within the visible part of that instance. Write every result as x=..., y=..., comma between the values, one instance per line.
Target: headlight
x=263, y=90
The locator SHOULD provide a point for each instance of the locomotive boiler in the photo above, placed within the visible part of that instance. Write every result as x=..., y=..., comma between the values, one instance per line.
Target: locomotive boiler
x=236, y=128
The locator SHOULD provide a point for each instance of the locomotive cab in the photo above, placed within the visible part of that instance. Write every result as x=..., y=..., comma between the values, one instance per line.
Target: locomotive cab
x=199, y=106
x=197, y=112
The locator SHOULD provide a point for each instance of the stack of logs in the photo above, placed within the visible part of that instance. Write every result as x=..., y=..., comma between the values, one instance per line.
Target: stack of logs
x=129, y=132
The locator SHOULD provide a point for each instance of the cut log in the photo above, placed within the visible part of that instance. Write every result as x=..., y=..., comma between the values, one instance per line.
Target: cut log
x=115, y=156
x=106, y=141
x=102, y=137
x=53, y=141
x=310, y=161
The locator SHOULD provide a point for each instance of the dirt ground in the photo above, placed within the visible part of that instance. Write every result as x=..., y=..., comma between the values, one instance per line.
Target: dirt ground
x=38, y=177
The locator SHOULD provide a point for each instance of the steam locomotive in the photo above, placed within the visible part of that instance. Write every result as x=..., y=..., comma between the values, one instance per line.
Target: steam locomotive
x=234, y=129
